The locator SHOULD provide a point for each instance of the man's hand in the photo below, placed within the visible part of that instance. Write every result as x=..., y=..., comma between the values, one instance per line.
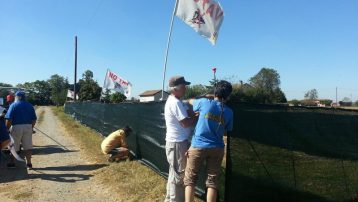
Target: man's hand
x=190, y=121
x=191, y=113
x=8, y=123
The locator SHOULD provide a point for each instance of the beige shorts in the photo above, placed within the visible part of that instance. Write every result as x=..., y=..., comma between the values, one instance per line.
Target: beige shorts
x=196, y=157
x=22, y=134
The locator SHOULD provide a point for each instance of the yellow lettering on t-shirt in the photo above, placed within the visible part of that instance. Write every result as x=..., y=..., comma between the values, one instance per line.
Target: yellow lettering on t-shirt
x=215, y=118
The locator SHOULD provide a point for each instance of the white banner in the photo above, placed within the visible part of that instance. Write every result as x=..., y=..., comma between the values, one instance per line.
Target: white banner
x=11, y=148
x=116, y=83
x=71, y=94
x=204, y=16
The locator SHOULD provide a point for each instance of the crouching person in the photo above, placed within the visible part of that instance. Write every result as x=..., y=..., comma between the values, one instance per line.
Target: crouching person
x=116, y=145
x=207, y=145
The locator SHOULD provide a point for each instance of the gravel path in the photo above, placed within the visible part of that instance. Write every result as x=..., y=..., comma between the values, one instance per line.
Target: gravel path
x=60, y=172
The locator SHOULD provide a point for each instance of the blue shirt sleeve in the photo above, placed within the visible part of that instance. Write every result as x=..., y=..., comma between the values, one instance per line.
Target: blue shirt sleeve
x=9, y=113
x=197, y=104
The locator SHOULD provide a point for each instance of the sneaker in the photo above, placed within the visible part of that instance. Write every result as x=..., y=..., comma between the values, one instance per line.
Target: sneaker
x=110, y=159
x=11, y=165
x=29, y=166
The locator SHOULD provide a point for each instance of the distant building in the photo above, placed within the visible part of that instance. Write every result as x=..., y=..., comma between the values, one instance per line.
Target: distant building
x=152, y=96
x=334, y=104
x=345, y=104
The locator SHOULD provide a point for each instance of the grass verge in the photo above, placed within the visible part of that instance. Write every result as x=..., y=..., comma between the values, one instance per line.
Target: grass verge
x=130, y=180
x=40, y=116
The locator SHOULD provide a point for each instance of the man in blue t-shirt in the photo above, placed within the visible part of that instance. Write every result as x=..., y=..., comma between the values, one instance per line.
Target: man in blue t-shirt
x=21, y=117
x=215, y=119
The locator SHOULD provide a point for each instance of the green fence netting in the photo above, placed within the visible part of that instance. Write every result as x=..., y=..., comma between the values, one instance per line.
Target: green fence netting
x=147, y=142
x=280, y=153
x=275, y=153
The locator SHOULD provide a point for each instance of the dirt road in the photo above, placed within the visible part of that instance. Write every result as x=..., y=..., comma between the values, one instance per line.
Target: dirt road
x=60, y=173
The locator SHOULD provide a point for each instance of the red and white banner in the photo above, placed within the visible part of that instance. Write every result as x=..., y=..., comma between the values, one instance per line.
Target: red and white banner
x=204, y=16
x=71, y=94
x=116, y=83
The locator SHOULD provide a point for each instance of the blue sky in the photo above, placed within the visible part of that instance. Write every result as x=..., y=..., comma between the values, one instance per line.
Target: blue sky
x=312, y=44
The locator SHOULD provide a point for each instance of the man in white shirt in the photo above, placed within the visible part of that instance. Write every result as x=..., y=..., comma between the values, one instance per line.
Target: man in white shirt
x=178, y=124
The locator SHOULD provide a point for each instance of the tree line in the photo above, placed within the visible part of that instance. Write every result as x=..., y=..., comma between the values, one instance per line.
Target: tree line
x=53, y=91
x=262, y=88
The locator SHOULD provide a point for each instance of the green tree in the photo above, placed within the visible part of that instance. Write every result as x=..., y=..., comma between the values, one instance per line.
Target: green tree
x=117, y=97
x=195, y=91
x=356, y=103
x=267, y=79
x=89, y=88
x=265, y=87
x=326, y=102
x=311, y=95
x=30, y=92
x=42, y=92
x=59, y=86
x=241, y=92
x=5, y=85
x=294, y=102
x=4, y=92
x=279, y=96
x=106, y=96
x=346, y=99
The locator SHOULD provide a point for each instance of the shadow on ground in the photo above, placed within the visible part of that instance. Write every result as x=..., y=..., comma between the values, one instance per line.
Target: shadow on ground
x=20, y=172
x=50, y=149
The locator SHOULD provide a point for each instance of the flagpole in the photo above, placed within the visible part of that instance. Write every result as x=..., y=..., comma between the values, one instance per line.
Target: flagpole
x=168, y=46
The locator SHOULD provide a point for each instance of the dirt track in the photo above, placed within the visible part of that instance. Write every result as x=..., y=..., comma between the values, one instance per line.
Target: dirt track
x=60, y=172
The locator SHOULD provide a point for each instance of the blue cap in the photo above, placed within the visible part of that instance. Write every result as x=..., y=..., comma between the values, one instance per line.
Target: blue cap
x=20, y=94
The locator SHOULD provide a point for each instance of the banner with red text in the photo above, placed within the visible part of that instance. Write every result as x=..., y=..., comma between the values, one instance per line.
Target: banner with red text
x=116, y=83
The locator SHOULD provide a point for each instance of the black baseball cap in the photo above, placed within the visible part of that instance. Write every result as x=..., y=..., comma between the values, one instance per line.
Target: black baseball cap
x=177, y=80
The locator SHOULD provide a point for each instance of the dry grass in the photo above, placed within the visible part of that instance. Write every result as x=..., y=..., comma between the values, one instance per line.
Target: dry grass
x=353, y=108
x=22, y=195
x=130, y=180
x=40, y=116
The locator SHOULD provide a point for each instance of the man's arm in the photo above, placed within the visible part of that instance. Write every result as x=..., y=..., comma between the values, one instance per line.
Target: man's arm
x=191, y=101
x=189, y=121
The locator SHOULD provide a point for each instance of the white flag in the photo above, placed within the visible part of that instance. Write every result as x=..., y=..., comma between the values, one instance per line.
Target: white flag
x=205, y=16
x=114, y=82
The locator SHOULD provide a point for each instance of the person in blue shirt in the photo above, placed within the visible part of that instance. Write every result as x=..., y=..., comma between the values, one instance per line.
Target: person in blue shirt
x=215, y=119
x=21, y=117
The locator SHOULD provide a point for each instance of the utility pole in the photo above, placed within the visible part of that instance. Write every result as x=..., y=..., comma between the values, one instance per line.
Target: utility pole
x=336, y=96
x=74, y=83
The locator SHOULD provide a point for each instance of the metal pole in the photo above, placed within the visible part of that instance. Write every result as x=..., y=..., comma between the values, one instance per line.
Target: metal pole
x=74, y=83
x=336, y=96
x=168, y=46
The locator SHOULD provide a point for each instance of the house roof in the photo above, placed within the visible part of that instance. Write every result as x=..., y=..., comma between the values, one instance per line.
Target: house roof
x=151, y=93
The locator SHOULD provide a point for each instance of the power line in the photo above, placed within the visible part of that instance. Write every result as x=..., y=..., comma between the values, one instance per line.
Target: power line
x=99, y=4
